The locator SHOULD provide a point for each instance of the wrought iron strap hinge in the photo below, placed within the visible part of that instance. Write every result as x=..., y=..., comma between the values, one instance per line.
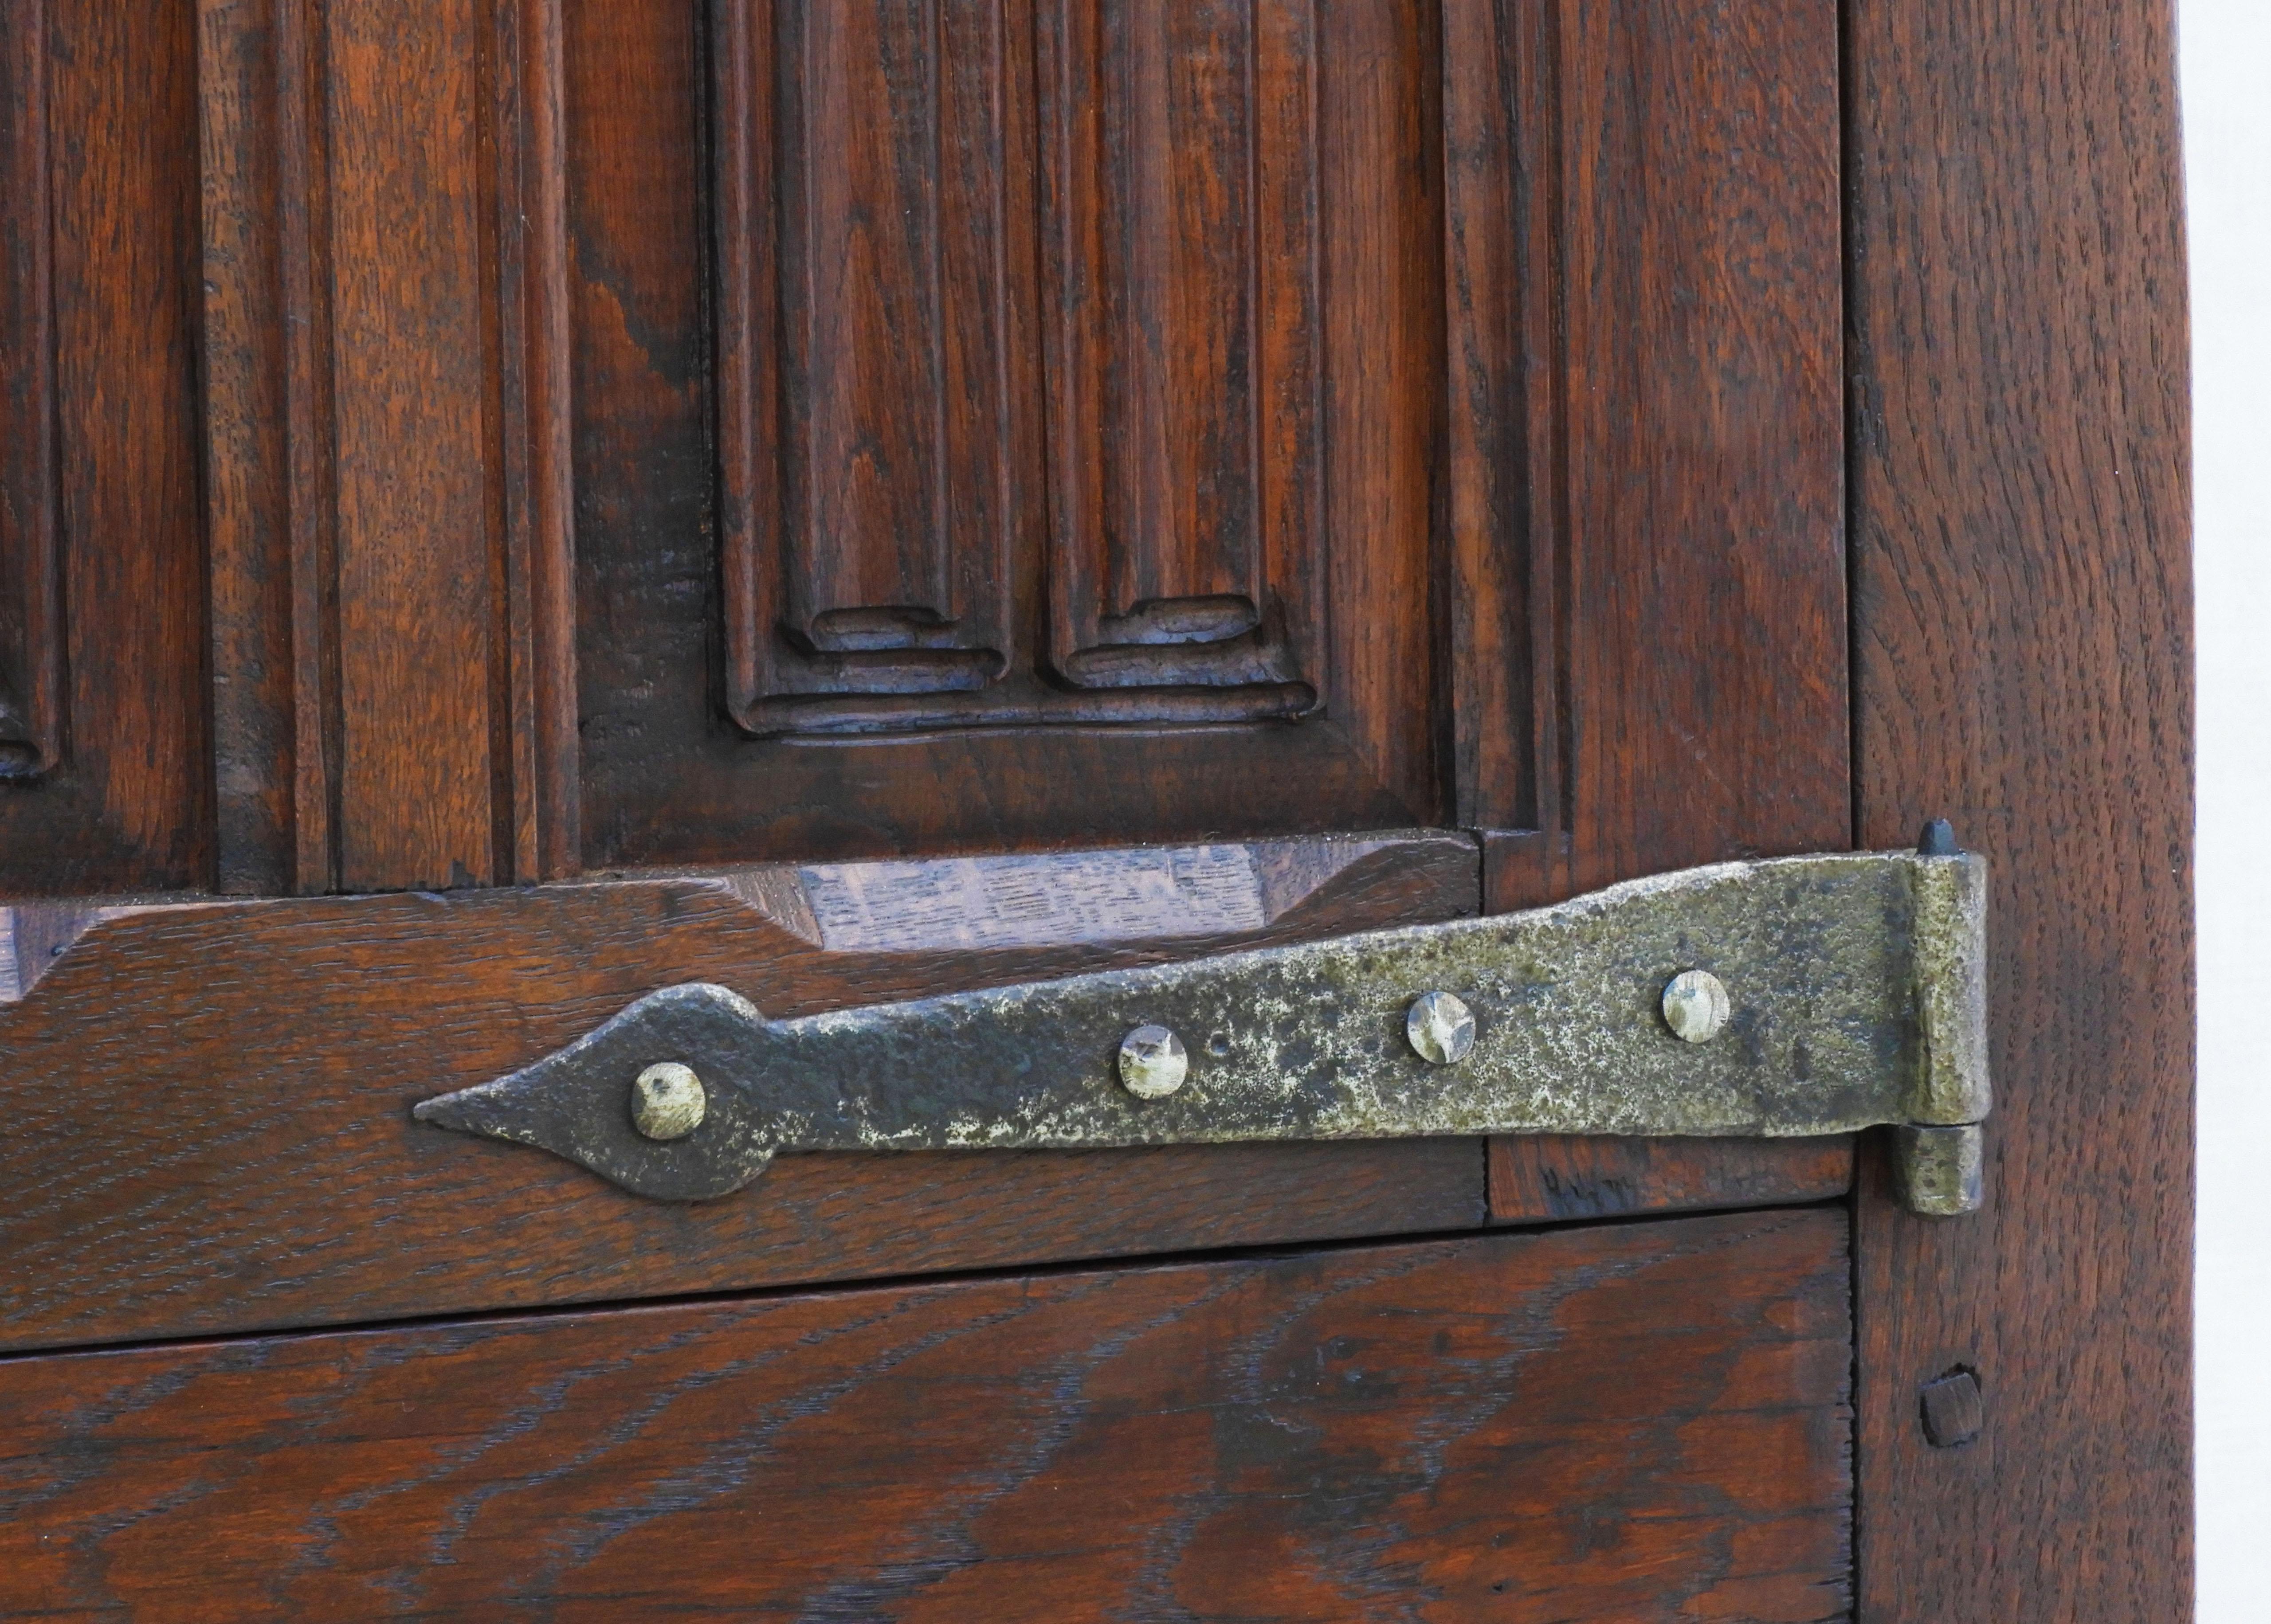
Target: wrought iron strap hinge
x=1791, y=997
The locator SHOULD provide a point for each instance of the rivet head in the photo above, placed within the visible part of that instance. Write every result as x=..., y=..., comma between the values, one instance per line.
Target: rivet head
x=1152, y=1062
x=1696, y=1005
x=1440, y=1026
x=669, y=1101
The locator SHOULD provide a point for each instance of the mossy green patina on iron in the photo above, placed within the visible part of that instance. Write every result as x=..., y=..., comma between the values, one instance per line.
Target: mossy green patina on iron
x=1856, y=984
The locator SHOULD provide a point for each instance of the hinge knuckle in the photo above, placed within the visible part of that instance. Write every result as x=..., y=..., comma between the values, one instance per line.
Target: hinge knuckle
x=1950, y=958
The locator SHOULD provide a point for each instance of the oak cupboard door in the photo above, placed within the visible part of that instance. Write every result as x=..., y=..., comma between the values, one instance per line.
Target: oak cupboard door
x=508, y=505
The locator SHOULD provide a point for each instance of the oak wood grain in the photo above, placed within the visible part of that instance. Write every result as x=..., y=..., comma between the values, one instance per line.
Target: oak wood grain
x=416, y=541
x=1646, y=463
x=384, y=333
x=101, y=594
x=268, y=446
x=1647, y=1422
x=1552, y=1178
x=877, y=359
x=1185, y=161
x=209, y=1104
x=1288, y=446
x=2022, y=597
x=31, y=565
x=1645, y=477
x=534, y=726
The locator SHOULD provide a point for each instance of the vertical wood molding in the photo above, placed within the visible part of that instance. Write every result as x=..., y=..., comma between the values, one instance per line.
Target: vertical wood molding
x=387, y=395
x=1505, y=477
x=31, y=572
x=269, y=514
x=903, y=546
x=536, y=454
x=2022, y=602
x=1644, y=478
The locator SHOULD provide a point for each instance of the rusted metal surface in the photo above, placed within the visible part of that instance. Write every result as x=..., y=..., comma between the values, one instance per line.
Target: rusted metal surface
x=1942, y=1169
x=1855, y=983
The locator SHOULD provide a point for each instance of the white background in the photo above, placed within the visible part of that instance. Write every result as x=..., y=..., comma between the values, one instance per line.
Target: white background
x=2225, y=76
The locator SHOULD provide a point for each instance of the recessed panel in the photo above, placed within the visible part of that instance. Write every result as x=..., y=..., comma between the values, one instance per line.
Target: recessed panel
x=1020, y=363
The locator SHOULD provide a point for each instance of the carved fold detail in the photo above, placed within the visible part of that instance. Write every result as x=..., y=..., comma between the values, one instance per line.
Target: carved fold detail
x=31, y=566
x=1182, y=215
x=994, y=453
x=867, y=405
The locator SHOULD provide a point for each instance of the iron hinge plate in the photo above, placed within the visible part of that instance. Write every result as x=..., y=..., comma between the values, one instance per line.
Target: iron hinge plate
x=1851, y=993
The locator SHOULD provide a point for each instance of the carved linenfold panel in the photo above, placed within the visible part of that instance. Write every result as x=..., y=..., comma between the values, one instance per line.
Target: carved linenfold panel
x=978, y=401
x=1181, y=243
x=31, y=584
x=867, y=410
x=1018, y=324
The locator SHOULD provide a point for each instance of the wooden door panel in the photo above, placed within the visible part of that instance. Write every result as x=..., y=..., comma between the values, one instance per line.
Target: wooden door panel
x=209, y=1103
x=103, y=778
x=919, y=425
x=1642, y=1422
x=923, y=525
x=1239, y=419
x=1464, y=377
x=1067, y=360
x=1646, y=447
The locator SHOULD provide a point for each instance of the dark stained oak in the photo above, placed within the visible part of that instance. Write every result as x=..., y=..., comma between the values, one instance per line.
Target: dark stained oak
x=1552, y=1177
x=386, y=394
x=209, y=1104
x=1645, y=470
x=466, y=443
x=31, y=561
x=1069, y=360
x=104, y=780
x=1645, y=1423
x=537, y=720
x=2022, y=668
x=1645, y=462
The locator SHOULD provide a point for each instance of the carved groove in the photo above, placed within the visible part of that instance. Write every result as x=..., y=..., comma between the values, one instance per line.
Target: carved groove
x=900, y=309
x=31, y=565
x=865, y=398
x=1183, y=174
x=1507, y=481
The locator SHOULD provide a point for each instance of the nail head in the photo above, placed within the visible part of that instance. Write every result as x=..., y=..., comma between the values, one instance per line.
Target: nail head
x=1153, y=1063
x=1952, y=1409
x=1440, y=1027
x=1696, y=1005
x=669, y=1101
